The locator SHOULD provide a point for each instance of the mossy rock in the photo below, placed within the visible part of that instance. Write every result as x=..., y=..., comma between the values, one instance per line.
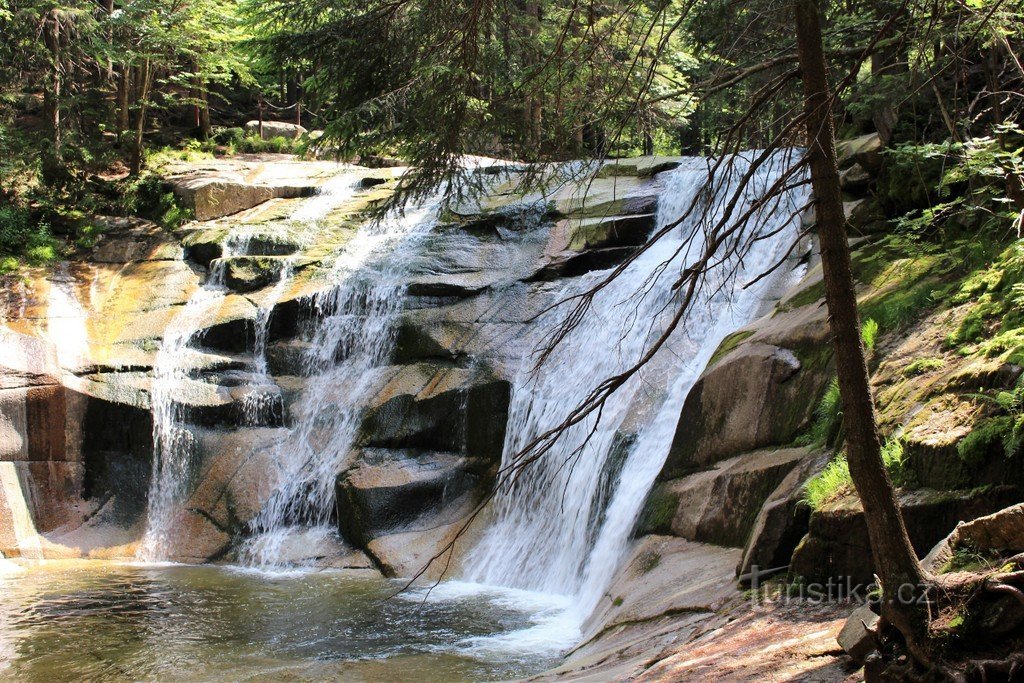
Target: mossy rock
x=249, y=273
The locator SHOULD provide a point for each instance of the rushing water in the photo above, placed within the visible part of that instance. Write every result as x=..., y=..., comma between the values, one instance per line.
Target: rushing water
x=560, y=530
x=100, y=622
x=352, y=336
x=563, y=525
x=174, y=444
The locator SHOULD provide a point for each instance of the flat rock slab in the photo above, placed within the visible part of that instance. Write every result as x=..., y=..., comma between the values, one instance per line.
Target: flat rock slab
x=666, y=575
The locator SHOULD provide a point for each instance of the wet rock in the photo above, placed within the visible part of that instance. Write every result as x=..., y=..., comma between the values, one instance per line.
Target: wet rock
x=407, y=553
x=204, y=246
x=719, y=505
x=574, y=264
x=125, y=240
x=441, y=409
x=288, y=357
x=230, y=327
x=275, y=129
x=837, y=546
x=33, y=400
x=604, y=197
x=641, y=167
x=249, y=273
x=391, y=490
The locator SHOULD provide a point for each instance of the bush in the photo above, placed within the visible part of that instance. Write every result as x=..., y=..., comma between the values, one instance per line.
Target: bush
x=149, y=197
x=22, y=238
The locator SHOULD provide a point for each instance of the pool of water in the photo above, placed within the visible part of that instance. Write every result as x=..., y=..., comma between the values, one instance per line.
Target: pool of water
x=93, y=621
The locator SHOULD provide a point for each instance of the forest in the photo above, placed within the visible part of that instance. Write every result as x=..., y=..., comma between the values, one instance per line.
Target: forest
x=900, y=123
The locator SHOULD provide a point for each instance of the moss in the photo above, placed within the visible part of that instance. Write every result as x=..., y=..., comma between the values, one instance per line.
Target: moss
x=969, y=559
x=988, y=435
x=648, y=561
x=659, y=511
x=923, y=365
x=728, y=344
x=617, y=601
x=805, y=297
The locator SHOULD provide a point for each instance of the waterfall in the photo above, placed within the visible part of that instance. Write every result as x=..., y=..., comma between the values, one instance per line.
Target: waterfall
x=563, y=526
x=174, y=444
x=352, y=337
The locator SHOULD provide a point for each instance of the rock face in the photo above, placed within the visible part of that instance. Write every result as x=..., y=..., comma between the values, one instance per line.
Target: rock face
x=721, y=504
x=760, y=389
x=837, y=547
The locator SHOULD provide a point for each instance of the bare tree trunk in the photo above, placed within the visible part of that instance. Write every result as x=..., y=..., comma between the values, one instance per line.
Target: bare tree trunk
x=896, y=563
x=52, y=96
x=204, y=113
x=144, y=78
x=124, y=80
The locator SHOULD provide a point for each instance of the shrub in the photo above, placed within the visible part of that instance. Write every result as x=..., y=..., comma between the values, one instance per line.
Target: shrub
x=21, y=237
x=149, y=197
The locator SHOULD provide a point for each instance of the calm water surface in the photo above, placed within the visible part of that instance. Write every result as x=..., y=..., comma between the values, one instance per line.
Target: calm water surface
x=99, y=622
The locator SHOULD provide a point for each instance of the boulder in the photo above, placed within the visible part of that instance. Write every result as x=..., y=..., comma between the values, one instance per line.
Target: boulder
x=858, y=638
x=434, y=408
x=230, y=327
x=579, y=234
x=211, y=196
x=865, y=150
x=782, y=521
x=855, y=179
x=249, y=273
x=275, y=129
x=751, y=398
x=1001, y=532
x=865, y=216
x=640, y=167
x=388, y=491
x=837, y=547
x=719, y=505
x=602, y=197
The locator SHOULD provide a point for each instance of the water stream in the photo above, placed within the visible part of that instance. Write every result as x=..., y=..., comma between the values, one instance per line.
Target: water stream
x=560, y=531
x=563, y=526
x=351, y=338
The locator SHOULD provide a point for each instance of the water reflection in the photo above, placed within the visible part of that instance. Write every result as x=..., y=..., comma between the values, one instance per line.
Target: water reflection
x=122, y=622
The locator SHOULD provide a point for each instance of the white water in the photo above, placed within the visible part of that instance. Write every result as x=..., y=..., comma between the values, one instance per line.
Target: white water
x=352, y=337
x=563, y=527
x=174, y=444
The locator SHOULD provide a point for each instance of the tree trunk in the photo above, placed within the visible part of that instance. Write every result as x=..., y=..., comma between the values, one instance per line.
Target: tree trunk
x=896, y=563
x=204, y=113
x=123, y=106
x=53, y=95
x=143, y=80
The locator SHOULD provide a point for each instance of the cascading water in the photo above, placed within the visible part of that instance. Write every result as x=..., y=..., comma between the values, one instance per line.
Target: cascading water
x=351, y=338
x=174, y=444
x=563, y=525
